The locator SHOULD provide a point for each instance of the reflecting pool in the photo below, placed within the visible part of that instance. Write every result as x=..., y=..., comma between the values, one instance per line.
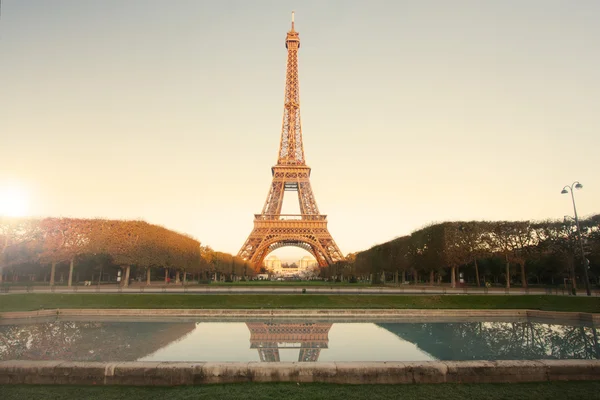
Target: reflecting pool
x=304, y=341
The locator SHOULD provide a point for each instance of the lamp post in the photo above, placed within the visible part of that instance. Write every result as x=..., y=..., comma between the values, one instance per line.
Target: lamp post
x=566, y=190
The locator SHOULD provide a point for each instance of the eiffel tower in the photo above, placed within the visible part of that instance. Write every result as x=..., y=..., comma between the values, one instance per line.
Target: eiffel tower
x=307, y=230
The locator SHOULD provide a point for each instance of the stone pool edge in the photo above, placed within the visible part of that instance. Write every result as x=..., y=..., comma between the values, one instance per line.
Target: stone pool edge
x=305, y=313
x=184, y=373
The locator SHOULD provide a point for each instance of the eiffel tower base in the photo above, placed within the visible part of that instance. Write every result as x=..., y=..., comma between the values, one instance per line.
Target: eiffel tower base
x=308, y=232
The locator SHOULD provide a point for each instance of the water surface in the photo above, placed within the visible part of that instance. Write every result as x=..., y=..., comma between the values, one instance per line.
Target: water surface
x=305, y=341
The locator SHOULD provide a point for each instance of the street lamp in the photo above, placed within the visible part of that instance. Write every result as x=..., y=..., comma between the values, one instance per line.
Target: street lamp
x=566, y=190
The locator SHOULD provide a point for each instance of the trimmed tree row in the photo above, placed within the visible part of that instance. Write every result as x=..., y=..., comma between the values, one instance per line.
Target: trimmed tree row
x=483, y=252
x=27, y=243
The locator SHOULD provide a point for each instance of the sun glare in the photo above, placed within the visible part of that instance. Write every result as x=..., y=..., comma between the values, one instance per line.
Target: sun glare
x=13, y=202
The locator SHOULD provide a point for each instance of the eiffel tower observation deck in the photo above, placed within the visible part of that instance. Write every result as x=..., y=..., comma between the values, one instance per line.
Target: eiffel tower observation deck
x=272, y=229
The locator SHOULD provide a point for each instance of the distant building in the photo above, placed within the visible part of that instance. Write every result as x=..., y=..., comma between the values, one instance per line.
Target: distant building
x=273, y=263
x=307, y=262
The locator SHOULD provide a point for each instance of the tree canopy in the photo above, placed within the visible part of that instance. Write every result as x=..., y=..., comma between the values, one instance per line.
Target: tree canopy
x=485, y=251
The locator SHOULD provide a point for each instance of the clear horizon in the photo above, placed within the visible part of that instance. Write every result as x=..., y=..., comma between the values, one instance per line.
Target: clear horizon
x=412, y=112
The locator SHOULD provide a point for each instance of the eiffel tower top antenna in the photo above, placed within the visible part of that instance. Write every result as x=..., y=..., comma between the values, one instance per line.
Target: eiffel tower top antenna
x=291, y=150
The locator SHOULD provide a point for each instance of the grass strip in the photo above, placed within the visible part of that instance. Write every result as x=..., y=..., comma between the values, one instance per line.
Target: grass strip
x=295, y=284
x=38, y=301
x=293, y=391
x=263, y=283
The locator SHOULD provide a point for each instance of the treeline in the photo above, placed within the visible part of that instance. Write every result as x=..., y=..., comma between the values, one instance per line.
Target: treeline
x=482, y=253
x=34, y=249
x=219, y=266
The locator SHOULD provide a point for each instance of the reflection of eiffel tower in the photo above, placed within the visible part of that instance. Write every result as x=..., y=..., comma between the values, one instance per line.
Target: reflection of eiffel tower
x=268, y=338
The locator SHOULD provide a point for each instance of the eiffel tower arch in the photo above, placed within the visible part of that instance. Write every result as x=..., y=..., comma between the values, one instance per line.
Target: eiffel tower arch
x=272, y=229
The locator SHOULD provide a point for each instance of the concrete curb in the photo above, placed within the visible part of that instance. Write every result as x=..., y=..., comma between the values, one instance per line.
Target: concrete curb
x=348, y=314
x=180, y=373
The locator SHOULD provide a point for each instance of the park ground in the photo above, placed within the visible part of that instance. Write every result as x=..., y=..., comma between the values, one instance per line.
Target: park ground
x=272, y=283
x=293, y=391
x=41, y=301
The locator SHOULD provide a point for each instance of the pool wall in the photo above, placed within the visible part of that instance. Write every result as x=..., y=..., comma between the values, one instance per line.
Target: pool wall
x=327, y=314
x=182, y=373
x=177, y=373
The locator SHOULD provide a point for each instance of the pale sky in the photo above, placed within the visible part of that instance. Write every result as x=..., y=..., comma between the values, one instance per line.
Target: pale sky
x=412, y=111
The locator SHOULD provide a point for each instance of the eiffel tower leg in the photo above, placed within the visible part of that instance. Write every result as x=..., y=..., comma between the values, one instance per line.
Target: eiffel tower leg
x=320, y=256
x=274, y=198
x=331, y=249
x=250, y=247
x=308, y=205
x=259, y=255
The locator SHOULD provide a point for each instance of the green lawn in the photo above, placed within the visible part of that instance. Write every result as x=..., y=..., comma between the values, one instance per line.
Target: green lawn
x=293, y=391
x=293, y=283
x=195, y=284
x=36, y=301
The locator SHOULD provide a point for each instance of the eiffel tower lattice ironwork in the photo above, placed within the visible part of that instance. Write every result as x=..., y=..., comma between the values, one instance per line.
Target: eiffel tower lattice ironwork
x=307, y=230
